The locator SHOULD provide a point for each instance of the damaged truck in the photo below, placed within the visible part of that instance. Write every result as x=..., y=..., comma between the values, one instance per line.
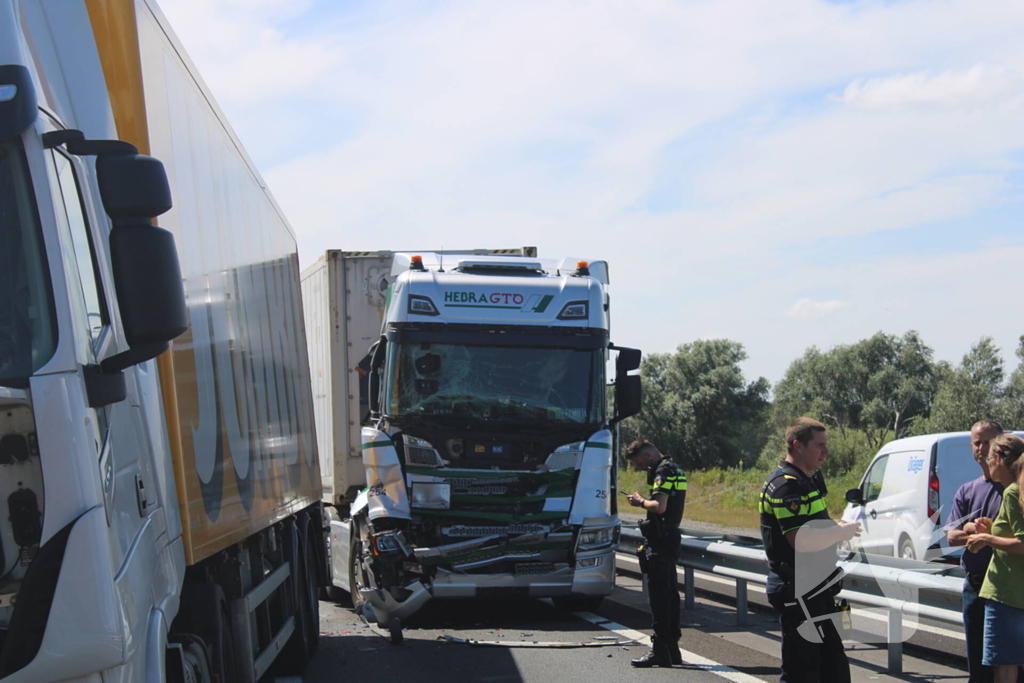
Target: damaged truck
x=464, y=426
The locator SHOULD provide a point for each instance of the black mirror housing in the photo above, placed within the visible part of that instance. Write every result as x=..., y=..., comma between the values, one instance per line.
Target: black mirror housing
x=147, y=277
x=855, y=496
x=628, y=359
x=133, y=187
x=628, y=399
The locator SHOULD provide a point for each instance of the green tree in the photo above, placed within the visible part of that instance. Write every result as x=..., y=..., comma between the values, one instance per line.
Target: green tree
x=1011, y=407
x=970, y=392
x=699, y=408
x=869, y=392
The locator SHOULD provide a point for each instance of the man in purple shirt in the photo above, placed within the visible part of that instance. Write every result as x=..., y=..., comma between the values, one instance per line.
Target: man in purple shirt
x=978, y=498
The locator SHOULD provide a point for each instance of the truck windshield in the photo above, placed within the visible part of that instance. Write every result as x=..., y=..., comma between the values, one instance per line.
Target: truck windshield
x=497, y=383
x=28, y=330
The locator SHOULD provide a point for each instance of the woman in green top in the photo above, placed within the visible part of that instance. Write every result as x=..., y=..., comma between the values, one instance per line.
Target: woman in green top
x=1004, y=581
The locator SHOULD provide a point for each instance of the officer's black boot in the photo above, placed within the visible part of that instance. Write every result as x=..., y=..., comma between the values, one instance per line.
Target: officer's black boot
x=658, y=656
x=674, y=655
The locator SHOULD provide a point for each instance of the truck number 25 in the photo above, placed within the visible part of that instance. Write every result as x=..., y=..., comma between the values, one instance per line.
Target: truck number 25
x=601, y=493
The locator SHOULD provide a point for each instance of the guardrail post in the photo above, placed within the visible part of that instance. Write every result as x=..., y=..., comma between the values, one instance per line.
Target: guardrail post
x=691, y=593
x=741, y=602
x=895, y=641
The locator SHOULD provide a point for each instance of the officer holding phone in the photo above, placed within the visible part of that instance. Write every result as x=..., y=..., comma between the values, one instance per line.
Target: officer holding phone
x=660, y=549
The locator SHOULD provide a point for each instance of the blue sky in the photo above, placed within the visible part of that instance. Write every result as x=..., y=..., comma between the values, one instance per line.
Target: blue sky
x=784, y=174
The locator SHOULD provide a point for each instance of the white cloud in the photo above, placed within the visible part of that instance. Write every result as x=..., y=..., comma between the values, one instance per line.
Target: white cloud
x=808, y=308
x=977, y=86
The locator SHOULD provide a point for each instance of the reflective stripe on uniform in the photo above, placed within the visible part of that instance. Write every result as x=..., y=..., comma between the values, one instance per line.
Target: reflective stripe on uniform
x=676, y=482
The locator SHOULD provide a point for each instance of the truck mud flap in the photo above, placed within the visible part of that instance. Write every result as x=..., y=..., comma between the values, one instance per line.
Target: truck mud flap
x=381, y=607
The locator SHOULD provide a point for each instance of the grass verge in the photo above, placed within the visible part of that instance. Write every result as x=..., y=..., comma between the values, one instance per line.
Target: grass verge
x=728, y=497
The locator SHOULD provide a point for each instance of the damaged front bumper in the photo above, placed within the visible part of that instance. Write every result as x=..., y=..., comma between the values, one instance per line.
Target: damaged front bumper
x=381, y=607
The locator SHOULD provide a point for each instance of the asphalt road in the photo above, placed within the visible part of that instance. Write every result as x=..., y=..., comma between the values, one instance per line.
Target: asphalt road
x=715, y=648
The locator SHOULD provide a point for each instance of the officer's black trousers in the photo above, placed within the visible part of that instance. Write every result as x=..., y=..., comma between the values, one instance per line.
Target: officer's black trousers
x=804, y=661
x=663, y=590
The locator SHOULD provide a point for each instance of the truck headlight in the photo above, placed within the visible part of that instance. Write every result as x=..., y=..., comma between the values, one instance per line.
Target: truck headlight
x=596, y=538
x=432, y=495
x=566, y=456
x=388, y=542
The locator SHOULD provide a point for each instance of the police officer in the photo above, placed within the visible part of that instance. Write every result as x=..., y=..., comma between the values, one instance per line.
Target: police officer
x=800, y=541
x=661, y=548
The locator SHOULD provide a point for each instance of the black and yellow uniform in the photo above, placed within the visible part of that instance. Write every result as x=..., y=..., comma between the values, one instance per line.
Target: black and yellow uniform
x=660, y=552
x=791, y=500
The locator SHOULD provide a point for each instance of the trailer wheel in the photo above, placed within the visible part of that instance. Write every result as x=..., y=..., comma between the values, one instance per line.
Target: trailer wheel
x=204, y=612
x=300, y=647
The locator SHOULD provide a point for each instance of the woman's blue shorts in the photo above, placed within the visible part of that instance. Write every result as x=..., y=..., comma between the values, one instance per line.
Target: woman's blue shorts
x=1004, y=634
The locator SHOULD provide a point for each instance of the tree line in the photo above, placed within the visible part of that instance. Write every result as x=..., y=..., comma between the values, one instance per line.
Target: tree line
x=700, y=409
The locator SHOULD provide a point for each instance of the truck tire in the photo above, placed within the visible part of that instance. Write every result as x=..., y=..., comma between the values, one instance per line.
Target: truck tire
x=356, y=577
x=306, y=638
x=204, y=613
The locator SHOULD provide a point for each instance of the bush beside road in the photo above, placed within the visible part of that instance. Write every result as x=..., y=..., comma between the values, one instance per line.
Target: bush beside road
x=728, y=497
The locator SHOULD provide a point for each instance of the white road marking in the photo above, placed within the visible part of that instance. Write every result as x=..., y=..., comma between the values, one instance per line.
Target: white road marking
x=860, y=613
x=720, y=670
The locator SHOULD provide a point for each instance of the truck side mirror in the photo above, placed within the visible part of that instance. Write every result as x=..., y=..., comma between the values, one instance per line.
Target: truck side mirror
x=147, y=274
x=628, y=398
x=628, y=359
x=855, y=496
x=144, y=259
x=377, y=356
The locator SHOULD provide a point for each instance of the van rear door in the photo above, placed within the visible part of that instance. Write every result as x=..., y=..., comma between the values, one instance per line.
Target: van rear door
x=954, y=466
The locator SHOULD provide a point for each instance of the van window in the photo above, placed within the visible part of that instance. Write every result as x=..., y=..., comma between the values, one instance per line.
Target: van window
x=872, y=486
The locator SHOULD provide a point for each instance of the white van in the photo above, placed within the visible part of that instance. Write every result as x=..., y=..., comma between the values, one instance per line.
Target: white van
x=906, y=493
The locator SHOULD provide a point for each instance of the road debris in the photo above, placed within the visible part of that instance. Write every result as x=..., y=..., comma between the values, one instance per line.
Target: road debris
x=597, y=642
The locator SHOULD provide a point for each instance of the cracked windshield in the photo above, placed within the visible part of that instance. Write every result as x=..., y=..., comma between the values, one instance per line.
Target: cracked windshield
x=499, y=383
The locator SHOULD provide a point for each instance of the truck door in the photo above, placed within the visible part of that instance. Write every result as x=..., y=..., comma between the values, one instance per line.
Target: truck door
x=129, y=487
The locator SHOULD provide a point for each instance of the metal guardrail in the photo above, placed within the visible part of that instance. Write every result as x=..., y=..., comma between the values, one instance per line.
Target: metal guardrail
x=922, y=589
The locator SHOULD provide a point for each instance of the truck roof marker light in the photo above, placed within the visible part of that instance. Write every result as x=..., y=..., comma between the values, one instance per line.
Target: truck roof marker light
x=8, y=92
x=575, y=310
x=416, y=263
x=582, y=268
x=422, y=305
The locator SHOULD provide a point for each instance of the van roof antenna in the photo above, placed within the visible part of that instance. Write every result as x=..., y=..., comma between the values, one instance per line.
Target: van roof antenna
x=440, y=258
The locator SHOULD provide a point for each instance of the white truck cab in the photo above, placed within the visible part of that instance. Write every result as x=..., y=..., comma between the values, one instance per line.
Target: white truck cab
x=488, y=453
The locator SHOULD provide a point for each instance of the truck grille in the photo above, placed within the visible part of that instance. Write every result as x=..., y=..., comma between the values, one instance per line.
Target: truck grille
x=425, y=457
x=531, y=568
x=466, y=484
x=509, y=530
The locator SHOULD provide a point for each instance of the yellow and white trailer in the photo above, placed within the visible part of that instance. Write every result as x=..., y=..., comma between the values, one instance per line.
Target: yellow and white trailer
x=157, y=453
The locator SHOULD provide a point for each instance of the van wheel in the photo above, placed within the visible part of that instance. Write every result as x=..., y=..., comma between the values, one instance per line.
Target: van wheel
x=907, y=549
